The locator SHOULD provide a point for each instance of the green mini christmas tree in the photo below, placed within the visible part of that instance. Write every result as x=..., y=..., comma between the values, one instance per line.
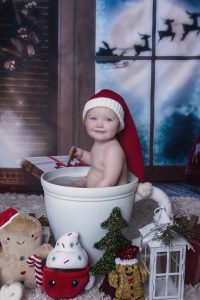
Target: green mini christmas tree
x=112, y=242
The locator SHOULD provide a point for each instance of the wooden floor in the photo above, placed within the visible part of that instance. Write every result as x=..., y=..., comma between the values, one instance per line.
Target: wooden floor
x=179, y=189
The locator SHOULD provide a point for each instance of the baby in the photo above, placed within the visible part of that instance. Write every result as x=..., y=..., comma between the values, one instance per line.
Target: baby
x=115, y=144
x=107, y=159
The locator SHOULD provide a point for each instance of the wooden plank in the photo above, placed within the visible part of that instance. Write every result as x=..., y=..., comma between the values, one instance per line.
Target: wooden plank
x=26, y=74
x=23, y=81
x=25, y=94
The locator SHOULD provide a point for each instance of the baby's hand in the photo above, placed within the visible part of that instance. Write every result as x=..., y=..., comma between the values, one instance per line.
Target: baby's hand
x=71, y=154
x=78, y=153
x=81, y=154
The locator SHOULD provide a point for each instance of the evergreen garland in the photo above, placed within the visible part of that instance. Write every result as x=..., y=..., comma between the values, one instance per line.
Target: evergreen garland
x=26, y=33
x=182, y=227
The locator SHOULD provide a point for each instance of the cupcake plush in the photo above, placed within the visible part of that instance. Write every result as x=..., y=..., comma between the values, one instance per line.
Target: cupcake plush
x=66, y=274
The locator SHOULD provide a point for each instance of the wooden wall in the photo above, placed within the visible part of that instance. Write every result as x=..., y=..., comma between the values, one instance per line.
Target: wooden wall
x=76, y=69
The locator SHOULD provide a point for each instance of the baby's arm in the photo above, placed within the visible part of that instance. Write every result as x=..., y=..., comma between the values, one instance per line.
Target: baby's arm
x=113, y=165
x=82, y=155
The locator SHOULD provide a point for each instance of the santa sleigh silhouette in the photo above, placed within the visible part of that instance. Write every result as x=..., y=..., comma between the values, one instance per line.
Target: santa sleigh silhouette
x=117, y=61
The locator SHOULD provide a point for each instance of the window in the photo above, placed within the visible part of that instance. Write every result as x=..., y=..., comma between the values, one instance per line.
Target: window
x=149, y=52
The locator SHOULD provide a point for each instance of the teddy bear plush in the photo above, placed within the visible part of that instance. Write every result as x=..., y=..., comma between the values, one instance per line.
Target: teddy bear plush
x=128, y=276
x=20, y=238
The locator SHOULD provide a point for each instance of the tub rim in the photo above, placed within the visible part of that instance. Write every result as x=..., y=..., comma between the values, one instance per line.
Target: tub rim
x=80, y=191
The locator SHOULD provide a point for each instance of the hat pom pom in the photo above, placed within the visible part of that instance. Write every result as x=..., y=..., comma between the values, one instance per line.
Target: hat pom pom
x=144, y=189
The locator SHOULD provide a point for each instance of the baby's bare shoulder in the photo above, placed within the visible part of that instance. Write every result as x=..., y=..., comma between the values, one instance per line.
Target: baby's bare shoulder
x=114, y=147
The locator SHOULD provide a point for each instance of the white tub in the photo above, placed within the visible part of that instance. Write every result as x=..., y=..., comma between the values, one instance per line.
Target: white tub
x=84, y=209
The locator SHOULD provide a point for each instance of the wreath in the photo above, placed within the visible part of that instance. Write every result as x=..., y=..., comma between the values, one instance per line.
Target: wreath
x=26, y=34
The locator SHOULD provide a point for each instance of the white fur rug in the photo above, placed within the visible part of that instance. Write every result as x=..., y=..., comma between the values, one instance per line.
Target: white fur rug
x=142, y=214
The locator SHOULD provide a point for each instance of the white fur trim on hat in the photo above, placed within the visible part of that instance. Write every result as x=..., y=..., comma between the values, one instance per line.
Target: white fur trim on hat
x=125, y=262
x=105, y=102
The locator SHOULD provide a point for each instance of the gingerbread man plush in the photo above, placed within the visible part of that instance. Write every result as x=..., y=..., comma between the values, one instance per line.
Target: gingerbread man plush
x=20, y=237
x=128, y=276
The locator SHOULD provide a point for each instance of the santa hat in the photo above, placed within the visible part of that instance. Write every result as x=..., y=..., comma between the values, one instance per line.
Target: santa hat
x=127, y=255
x=103, y=101
x=128, y=137
x=7, y=216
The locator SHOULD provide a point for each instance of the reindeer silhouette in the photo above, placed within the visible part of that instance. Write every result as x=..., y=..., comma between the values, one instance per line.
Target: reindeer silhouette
x=142, y=48
x=191, y=27
x=168, y=31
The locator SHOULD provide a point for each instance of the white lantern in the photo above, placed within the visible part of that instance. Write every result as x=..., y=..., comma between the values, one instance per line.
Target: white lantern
x=165, y=265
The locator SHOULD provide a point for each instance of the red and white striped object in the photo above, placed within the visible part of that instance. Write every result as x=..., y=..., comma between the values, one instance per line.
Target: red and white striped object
x=36, y=261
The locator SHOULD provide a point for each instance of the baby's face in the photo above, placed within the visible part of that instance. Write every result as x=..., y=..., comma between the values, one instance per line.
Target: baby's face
x=102, y=124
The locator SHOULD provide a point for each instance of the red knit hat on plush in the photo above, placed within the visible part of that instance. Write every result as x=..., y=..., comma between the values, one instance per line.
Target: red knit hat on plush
x=127, y=255
x=128, y=137
x=7, y=216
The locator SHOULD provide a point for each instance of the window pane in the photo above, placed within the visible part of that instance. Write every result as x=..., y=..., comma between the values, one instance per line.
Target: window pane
x=145, y=256
x=177, y=110
x=178, y=26
x=172, y=285
x=123, y=27
x=160, y=286
x=161, y=262
x=131, y=79
x=174, y=261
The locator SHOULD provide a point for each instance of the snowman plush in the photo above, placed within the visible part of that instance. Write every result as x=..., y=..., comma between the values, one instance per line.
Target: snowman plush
x=66, y=274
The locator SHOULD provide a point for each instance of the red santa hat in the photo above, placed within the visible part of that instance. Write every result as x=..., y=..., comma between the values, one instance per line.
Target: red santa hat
x=127, y=255
x=7, y=216
x=127, y=136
